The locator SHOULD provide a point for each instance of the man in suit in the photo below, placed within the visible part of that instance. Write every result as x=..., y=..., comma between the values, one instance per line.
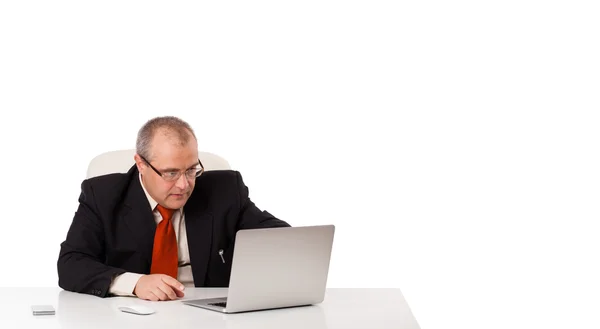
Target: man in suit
x=161, y=226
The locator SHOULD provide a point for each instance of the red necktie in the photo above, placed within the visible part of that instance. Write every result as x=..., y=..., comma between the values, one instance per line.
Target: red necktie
x=164, y=252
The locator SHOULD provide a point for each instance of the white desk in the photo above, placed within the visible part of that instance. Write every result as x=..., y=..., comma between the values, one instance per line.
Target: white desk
x=342, y=308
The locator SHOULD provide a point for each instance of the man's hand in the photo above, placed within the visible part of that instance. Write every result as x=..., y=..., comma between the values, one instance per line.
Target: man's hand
x=157, y=287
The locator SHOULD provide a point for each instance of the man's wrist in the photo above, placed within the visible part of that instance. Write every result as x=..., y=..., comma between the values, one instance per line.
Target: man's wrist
x=124, y=284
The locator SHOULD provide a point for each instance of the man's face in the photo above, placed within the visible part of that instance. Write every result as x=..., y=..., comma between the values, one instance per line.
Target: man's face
x=168, y=155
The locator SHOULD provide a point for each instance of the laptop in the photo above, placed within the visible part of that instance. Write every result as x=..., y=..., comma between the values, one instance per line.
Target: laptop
x=275, y=268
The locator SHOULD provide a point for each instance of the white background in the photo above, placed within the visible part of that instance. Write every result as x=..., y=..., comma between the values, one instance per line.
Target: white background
x=454, y=144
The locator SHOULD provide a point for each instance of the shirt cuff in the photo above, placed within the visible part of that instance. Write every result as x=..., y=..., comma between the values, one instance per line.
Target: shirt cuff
x=124, y=284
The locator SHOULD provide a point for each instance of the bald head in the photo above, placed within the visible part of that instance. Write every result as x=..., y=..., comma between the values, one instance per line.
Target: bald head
x=168, y=128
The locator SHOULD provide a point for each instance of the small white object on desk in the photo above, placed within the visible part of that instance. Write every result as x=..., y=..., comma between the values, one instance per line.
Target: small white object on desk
x=42, y=310
x=136, y=309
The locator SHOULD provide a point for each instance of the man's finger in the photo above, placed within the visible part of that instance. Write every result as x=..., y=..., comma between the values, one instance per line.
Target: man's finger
x=151, y=296
x=172, y=282
x=160, y=294
x=167, y=290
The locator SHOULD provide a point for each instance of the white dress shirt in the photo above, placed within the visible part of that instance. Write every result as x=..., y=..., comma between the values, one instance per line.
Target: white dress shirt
x=124, y=284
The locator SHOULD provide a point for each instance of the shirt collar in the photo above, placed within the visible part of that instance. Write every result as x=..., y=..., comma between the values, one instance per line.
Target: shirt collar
x=152, y=202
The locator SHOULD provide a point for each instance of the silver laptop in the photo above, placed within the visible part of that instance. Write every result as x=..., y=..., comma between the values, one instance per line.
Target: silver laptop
x=276, y=268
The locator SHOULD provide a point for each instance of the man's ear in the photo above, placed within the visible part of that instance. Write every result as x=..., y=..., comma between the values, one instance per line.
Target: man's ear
x=139, y=162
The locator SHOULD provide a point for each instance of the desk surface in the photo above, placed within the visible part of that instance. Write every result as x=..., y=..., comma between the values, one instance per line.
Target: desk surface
x=342, y=308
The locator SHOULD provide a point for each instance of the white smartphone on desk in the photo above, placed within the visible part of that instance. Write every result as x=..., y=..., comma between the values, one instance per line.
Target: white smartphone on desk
x=42, y=310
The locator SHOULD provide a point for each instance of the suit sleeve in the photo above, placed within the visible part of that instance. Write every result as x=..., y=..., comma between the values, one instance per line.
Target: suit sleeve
x=80, y=261
x=251, y=216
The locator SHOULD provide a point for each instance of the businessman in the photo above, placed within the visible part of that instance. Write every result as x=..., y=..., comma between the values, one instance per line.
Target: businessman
x=163, y=225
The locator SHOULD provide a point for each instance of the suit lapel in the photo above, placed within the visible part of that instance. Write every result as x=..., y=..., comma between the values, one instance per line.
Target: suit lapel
x=199, y=226
x=138, y=217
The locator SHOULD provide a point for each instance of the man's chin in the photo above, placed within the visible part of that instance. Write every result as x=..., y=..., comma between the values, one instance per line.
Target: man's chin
x=177, y=200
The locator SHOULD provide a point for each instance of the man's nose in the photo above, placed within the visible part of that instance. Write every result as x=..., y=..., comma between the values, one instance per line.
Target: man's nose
x=182, y=182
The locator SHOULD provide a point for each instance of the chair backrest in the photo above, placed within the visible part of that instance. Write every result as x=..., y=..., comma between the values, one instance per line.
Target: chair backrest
x=120, y=161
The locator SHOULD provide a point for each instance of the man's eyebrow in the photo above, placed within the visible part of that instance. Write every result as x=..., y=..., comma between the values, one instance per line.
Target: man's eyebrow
x=177, y=169
x=194, y=165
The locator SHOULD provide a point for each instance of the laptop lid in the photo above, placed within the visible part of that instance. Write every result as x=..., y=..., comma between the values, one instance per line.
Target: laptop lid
x=279, y=267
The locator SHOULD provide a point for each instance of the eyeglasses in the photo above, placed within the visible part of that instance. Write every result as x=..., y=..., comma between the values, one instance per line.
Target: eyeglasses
x=173, y=175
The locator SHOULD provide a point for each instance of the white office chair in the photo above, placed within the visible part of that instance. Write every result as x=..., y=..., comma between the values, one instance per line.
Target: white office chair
x=121, y=161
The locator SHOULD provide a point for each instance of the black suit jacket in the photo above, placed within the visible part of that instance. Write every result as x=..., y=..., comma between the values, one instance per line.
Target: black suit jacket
x=113, y=230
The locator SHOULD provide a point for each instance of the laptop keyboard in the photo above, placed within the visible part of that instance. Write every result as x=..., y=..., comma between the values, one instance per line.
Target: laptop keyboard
x=220, y=304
